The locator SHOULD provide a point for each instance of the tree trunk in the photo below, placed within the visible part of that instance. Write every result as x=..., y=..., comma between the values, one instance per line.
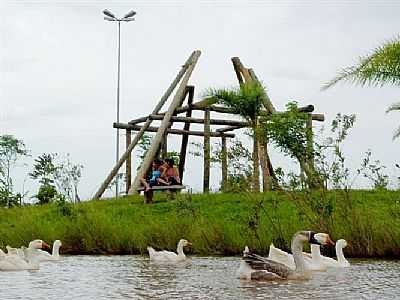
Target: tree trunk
x=224, y=163
x=256, y=160
x=207, y=152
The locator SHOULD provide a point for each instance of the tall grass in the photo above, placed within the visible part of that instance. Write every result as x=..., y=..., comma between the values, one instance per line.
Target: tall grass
x=217, y=224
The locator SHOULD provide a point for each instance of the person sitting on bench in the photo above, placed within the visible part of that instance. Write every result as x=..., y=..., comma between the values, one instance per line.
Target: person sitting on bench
x=155, y=179
x=170, y=173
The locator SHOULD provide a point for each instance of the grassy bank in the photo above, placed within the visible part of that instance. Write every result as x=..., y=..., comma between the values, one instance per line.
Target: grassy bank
x=215, y=223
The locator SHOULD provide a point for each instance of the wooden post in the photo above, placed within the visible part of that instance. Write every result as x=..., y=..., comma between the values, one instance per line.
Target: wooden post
x=185, y=137
x=164, y=125
x=266, y=176
x=310, y=147
x=224, y=163
x=207, y=152
x=164, y=145
x=128, y=173
x=184, y=69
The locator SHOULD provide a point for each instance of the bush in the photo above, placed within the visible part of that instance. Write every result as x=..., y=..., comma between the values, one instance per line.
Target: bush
x=46, y=193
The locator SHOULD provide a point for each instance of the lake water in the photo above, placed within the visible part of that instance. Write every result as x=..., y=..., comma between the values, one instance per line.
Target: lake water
x=134, y=277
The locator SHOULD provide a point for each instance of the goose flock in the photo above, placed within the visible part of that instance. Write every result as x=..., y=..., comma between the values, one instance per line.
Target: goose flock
x=28, y=258
x=279, y=265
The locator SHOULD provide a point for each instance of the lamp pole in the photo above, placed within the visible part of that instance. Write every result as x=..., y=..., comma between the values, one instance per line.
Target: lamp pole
x=109, y=16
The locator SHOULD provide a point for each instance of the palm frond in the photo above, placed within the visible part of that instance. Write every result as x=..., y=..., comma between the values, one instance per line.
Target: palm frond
x=246, y=100
x=394, y=106
x=379, y=68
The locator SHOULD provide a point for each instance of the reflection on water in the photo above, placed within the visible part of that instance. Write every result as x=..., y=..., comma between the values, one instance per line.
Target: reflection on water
x=133, y=277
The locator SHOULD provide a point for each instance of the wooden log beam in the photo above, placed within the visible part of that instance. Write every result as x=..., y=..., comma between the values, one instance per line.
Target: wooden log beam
x=156, y=110
x=237, y=64
x=228, y=128
x=201, y=105
x=176, y=102
x=172, y=130
x=224, y=163
x=128, y=167
x=185, y=137
x=139, y=120
x=318, y=117
x=201, y=121
x=207, y=152
x=314, y=117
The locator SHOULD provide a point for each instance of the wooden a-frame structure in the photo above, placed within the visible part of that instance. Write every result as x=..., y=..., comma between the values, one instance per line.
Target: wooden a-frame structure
x=172, y=115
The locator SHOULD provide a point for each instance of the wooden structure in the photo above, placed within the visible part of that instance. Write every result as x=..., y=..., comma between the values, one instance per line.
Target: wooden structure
x=171, y=189
x=173, y=116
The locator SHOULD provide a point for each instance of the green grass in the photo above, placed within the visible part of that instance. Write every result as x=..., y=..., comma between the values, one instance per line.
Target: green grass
x=217, y=224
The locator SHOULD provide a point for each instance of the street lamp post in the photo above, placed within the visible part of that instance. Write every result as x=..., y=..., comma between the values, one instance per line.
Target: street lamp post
x=109, y=16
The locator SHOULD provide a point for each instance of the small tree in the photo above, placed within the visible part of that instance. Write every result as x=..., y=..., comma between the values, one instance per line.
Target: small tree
x=11, y=149
x=247, y=101
x=67, y=177
x=57, y=175
x=288, y=132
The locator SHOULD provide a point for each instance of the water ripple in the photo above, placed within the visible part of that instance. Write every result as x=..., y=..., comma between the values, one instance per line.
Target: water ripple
x=134, y=277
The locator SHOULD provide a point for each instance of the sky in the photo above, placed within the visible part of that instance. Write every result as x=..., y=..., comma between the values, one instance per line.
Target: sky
x=58, y=71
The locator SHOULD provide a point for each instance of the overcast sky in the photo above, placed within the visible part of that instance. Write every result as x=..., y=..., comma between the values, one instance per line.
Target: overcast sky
x=59, y=63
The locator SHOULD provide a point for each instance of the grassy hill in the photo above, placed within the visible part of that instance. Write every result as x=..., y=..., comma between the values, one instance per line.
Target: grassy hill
x=217, y=224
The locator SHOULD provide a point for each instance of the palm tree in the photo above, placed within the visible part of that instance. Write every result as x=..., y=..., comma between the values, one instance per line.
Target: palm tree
x=246, y=101
x=380, y=68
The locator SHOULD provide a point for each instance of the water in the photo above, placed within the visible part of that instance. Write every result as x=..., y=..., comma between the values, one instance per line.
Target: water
x=133, y=277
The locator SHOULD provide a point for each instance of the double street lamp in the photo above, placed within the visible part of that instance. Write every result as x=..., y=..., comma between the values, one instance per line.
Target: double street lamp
x=109, y=16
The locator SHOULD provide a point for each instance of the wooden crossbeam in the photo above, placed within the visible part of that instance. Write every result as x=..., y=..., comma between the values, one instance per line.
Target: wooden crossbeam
x=171, y=130
x=201, y=121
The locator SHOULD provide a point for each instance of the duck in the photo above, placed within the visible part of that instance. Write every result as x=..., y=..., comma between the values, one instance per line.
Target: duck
x=260, y=268
x=168, y=256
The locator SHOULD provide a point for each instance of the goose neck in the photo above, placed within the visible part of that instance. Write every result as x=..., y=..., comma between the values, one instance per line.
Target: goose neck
x=315, y=252
x=297, y=250
x=339, y=254
x=56, y=250
x=179, y=249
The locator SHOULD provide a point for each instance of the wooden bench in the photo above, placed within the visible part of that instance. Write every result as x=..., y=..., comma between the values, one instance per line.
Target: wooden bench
x=172, y=189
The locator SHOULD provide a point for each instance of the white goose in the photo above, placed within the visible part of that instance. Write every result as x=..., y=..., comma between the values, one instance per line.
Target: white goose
x=261, y=268
x=341, y=261
x=168, y=256
x=20, y=262
x=313, y=261
x=44, y=255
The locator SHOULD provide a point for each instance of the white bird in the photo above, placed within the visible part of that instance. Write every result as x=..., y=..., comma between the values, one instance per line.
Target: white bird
x=168, y=256
x=41, y=255
x=341, y=261
x=261, y=268
x=18, y=261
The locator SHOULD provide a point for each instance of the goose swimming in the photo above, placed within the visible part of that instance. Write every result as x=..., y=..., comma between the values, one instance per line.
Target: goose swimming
x=260, y=268
x=168, y=256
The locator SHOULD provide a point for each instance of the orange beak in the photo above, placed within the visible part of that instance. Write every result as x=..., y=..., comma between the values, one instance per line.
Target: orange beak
x=45, y=246
x=330, y=242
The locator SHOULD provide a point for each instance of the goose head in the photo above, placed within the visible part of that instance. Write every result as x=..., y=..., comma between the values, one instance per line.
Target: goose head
x=39, y=244
x=341, y=243
x=184, y=243
x=320, y=238
x=57, y=243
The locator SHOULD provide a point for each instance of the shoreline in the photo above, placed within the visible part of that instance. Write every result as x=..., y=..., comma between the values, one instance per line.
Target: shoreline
x=218, y=224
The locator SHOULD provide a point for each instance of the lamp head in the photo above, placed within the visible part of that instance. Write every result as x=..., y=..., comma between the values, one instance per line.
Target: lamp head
x=109, y=13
